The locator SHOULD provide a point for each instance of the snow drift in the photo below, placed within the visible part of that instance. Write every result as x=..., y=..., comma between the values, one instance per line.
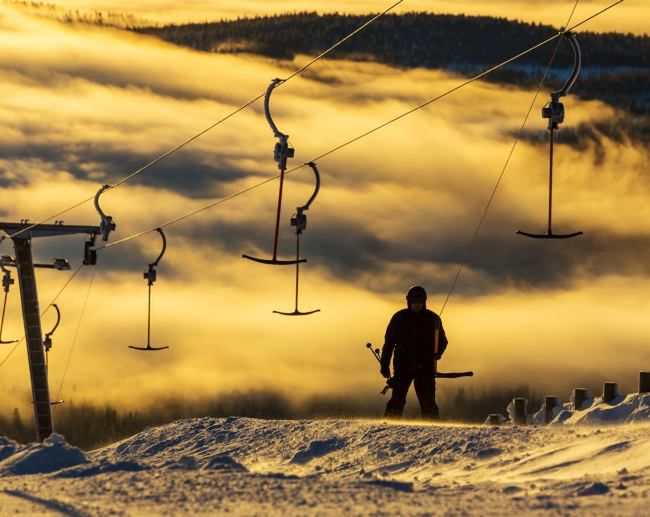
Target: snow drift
x=623, y=409
x=374, y=450
x=38, y=458
x=267, y=467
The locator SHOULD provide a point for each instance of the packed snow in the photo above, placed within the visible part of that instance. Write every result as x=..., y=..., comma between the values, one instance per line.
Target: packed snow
x=320, y=467
x=623, y=409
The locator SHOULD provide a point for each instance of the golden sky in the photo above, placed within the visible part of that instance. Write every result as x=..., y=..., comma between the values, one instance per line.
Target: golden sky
x=83, y=106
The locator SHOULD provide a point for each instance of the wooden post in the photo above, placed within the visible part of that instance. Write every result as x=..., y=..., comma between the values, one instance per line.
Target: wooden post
x=550, y=401
x=644, y=382
x=579, y=397
x=610, y=391
x=494, y=419
x=520, y=411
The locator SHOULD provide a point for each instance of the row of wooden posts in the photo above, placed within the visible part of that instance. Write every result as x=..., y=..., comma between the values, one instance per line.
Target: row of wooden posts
x=610, y=392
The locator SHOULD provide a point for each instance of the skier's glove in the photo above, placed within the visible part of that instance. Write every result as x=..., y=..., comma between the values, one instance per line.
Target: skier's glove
x=437, y=357
x=385, y=370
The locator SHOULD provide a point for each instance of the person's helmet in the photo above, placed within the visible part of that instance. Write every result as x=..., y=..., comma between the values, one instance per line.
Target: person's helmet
x=416, y=293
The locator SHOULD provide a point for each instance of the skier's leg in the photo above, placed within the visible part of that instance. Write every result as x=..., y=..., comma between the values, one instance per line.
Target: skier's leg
x=395, y=406
x=425, y=389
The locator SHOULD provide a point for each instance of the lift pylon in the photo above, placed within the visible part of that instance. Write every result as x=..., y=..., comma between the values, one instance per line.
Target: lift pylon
x=24, y=264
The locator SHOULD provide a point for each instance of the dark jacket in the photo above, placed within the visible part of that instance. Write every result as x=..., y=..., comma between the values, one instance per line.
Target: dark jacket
x=411, y=335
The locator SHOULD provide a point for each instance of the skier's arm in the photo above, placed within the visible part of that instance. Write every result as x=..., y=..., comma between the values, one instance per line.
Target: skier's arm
x=389, y=346
x=442, y=339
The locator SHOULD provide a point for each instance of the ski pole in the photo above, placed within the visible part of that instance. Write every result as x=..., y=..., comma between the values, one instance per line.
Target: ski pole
x=437, y=375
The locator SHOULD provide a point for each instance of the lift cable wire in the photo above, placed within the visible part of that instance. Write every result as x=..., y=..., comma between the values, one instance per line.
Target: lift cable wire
x=76, y=333
x=357, y=138
x=470, y=246
x=217, y=123
x=67, y=283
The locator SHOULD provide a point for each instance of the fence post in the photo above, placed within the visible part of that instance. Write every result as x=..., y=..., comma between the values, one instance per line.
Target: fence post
x=644, y=382
x=579, y=397
x=550, y=401
x=520, y=411
x=494, y=419
x=610, y=391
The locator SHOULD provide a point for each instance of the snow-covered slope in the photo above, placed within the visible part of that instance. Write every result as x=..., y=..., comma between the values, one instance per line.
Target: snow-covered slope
x=375, y=450
x=254, y=466
x=623, y=409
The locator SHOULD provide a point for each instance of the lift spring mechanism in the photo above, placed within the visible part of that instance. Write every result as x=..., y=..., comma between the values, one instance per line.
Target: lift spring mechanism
x=47, y=342
x=106, y=225
x=7, y=282
x=90, y=253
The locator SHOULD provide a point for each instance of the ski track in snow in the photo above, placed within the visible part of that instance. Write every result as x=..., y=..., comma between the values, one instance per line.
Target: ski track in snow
x=323, y=467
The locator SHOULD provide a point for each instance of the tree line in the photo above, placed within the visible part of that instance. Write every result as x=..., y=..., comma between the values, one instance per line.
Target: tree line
x=90, y=426
x=615, y=65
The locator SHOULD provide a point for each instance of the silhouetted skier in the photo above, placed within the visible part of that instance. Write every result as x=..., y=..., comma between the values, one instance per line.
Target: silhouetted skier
x=417, y=339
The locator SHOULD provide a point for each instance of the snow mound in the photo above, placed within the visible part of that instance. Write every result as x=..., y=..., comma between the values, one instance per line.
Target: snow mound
x=400, y=486
x=7, y=448
x=223, y=462
x=248, y=466
x=345, y=449
x=594, y=489
x=102, y=467
x=358, y=451
x=39, y=458
x=316, y=449
x=642, y=411
x=633, y=408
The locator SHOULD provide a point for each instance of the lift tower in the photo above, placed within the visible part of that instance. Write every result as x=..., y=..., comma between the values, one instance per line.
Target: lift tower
x=24, y=233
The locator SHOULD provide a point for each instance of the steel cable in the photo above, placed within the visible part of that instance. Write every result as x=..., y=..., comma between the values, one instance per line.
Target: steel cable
x=67, y=283
x=76, y=333
x=363, y=135
x=217, y=123
x=468, y=251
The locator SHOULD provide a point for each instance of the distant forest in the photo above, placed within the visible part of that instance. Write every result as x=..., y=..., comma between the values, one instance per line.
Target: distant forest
x=89, y=426
x=616, y=67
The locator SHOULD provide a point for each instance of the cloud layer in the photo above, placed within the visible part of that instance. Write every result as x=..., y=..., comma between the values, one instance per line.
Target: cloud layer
x=81, y=107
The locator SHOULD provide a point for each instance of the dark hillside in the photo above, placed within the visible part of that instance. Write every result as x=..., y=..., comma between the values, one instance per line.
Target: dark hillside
x=616, y=67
